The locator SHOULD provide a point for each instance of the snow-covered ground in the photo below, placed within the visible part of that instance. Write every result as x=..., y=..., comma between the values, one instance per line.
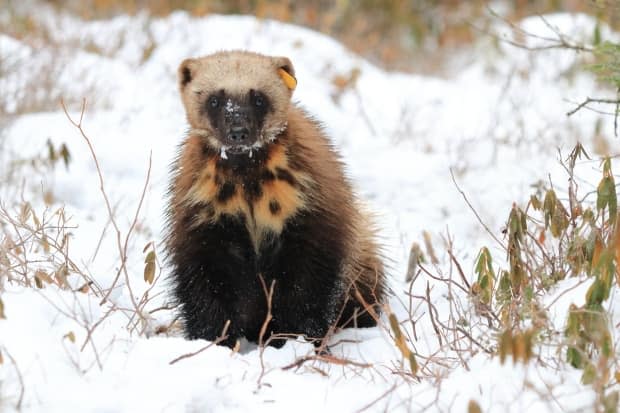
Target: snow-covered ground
x=496, y=124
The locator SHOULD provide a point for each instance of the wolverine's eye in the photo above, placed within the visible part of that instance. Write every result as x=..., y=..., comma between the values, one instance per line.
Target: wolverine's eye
x=259, y=101
x=214, y=102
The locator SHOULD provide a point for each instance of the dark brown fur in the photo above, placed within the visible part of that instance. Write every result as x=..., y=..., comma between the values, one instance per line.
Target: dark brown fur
x=287, y=214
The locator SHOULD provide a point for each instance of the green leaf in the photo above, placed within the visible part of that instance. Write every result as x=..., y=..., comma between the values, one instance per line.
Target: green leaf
x=572, y=324
x=504, y=291
x=596, y=38
x=51, y=152
x=588, y=216
x=65, y=155
x=610, y=402
x=149, y=272
x=595, y=294
x=606, y=196
x=606, y=345
x=549, y=206
x=573, y=357
x=150, y=257
x=559, y=220
x=589, y=374
x=413, y=364
x=486, y=275
x=607, y=166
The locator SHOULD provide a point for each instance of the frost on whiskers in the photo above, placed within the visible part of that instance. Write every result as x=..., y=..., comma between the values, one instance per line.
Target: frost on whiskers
x=266, y=137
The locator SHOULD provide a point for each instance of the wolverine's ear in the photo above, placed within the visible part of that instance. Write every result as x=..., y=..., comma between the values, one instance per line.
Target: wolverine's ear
x=186, y=72
x=286, y=71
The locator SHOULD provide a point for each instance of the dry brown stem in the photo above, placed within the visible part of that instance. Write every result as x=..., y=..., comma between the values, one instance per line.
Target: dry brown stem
x=223, y=336
x=122, y=245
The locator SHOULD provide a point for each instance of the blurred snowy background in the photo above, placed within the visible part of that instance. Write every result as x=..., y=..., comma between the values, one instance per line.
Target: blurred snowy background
x=424, y=99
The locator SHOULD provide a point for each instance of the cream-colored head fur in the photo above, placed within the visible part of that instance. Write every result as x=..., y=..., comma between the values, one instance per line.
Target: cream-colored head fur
x=236, y=72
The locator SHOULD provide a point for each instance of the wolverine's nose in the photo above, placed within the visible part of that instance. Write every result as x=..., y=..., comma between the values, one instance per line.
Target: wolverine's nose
x=239, y=134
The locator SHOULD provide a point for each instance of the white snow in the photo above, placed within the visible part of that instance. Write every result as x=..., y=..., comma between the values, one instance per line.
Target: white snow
x=497, y=125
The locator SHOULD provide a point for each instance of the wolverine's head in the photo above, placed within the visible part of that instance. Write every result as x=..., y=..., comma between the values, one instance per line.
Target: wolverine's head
x=237, y=100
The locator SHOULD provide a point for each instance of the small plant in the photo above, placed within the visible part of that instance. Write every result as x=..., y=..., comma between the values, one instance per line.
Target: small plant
x=548, y=241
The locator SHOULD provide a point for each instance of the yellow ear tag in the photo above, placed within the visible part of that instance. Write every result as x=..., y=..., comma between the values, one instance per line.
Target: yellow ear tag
x=289, y=80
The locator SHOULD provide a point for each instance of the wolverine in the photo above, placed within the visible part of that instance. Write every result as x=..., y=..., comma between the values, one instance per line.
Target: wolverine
x=265, y=237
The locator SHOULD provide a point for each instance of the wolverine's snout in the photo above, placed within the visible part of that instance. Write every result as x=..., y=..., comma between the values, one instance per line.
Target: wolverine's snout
x=238, y=128
x=238, y=135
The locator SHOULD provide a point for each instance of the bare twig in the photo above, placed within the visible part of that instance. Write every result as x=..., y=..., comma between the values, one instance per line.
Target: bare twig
x=446, y=280
x=265, y=325
x=122, y=246
x=327, y=358
x=566, y=291
x=378, y=399
x=561, y=41
x=365, y=116
x=89, y=331
x=585, y=103
x=459, y=269
x=269, y=316
x=223, y=336
x=473, y=340
x=476, y=213
x=430, y=311
x=22, y=387
x=589, y=100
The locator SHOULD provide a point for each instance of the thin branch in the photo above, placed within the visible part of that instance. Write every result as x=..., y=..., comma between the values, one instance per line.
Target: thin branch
x=548, y=307
x=94, y=326
x=473, y=340
x=593, y=100
x=559, y=42
x=22, y=387
x=223, y=336
x=446, y=280
x=365, y=116
x=476, y=213
x=122, y=247
x=265, y=325
x=378, y=399
x=327, y=358
x=459, y=268
x=269, y=316
x=430, y=313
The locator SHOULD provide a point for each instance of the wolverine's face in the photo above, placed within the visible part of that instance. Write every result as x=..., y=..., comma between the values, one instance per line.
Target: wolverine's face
x=237, y=120
x=238, y=101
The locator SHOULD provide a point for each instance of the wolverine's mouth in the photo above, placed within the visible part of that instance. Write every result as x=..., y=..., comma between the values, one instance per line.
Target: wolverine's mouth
x=236, y=150
x=248, y=150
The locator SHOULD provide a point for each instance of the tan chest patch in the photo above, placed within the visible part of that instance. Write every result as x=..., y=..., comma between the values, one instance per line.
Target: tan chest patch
x=278, y=203
x=267, y=204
